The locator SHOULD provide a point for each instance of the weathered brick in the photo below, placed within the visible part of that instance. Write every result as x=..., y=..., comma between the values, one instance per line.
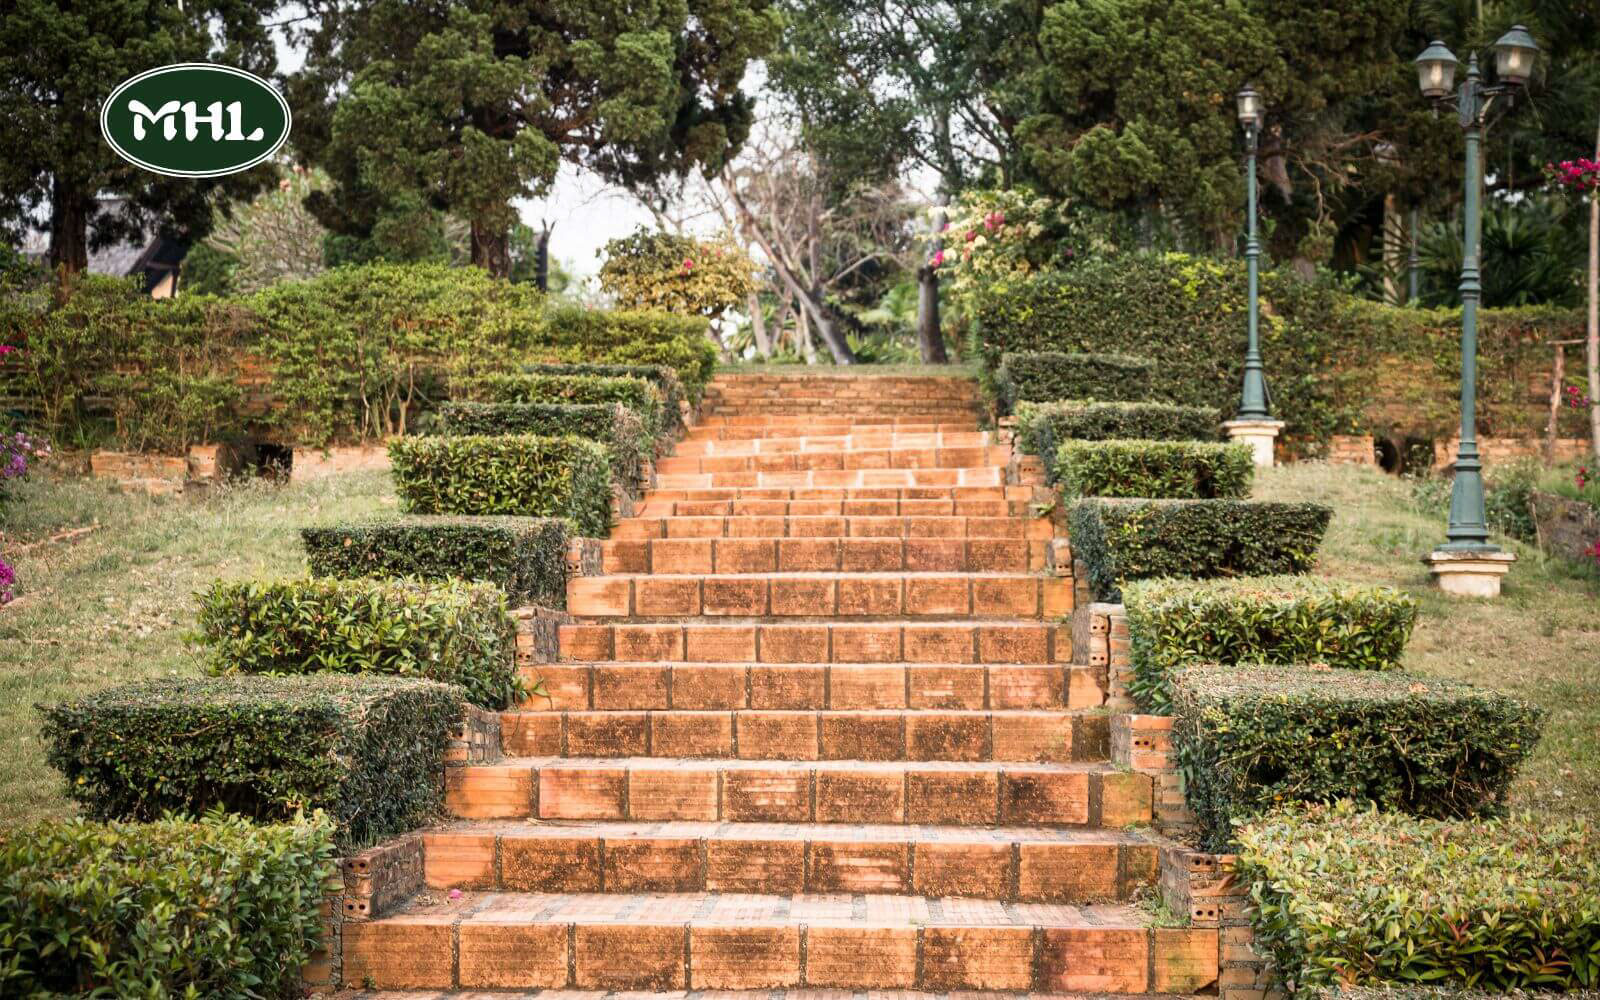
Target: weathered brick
x=1052, y=798
x=720, y=643
x=405, y=953
x=860, y=796
x=701, y=687
x=1068, y=873
x=635, y=686
x=954, y=869
x=672, y=793
x=863, y=736
x=497, y=953
x=654, y=864
x=607, y=734
x=977, y=958
x=777, y=735
x=725, y=596
x=939, y=643
x=861, y=957
x=866, y=643
x=1095, y=960
x=630, y=956
x=857, y=686
x=550, y=864
x=666, y=597
x=744, y=958
x=780, y=795
x=794, y=644
x=951, y=797
x=458, y=860
x=843, y=866
x=599, y=596
x=802, y=597
x=489, y=792
x=647, y=643
x=691, y=734
x=1183, y=959
x=575, y=792
x=766, y=865
x=948, y=687
x=530, y=734
x=788, y=686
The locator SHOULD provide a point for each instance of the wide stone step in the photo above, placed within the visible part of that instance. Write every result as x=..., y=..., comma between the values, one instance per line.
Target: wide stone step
x=900, y=594
x=1016, y=864
x=696, y=444
x=628, y=942
x=821, y=642
x=714, y=428
x=998, y=508
x=811, y=686
x=795, y=994
x=990, y=476
x=837, y=526
x=836, y=494
x=880, y=734
x=821, y=555
x=972, y=457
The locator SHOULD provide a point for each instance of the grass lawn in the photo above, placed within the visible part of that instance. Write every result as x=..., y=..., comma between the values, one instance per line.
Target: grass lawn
x=114, y=605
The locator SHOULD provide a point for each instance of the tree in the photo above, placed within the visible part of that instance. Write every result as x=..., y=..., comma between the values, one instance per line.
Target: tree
x=470, y=104
x=59, y=60
x=272, y=238
x=677, y=274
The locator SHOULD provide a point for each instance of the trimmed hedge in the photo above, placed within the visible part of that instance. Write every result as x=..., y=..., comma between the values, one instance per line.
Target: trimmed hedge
x=662, y=377
x=1260, y=620
x=613, y=424
x=576, y=335
x=211, y=908
x=524, y=556
x=1042, y=376
x=1351, y=896
x=1123, y=540
x=635, y=393
x=1164, y=470
x=1043, y=427
x=1250, y=739
x=449, y=631
x=521, y=474
x=1397, y=991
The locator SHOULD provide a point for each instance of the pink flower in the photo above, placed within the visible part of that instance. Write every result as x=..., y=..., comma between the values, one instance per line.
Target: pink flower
x=6, y=349
x=937, y=259
x=688, y=265
x=972, y=234
x=455, y=893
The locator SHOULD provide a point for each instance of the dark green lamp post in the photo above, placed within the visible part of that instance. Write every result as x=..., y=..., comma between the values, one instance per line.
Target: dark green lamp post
x=1254, y=424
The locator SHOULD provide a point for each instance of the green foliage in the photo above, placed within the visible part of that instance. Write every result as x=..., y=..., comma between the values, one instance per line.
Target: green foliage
x=1045, y=376
x=662, y=377
x=1162, y=470
x=1259, y=620
x=207, y=271
x=635, y=393
x=1251, y=739
x=677, y=274
x=508, y=474
x=1531, y=253
x=1355, y=897
x=523, y=556
x=1043, y=427
x=369, y=751
x=583, y=336
x=1124, y=540
x=449, y=631
x=217, y=907
x=618, y=427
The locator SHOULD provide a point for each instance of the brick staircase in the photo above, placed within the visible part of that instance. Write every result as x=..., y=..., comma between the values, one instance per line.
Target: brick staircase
x=814, y=727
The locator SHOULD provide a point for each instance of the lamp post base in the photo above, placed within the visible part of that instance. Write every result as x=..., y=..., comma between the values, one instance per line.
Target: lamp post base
x=1469, y=574
x=1260, y=435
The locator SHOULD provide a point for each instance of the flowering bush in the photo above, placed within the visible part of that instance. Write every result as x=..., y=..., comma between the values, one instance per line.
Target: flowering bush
x=1578, y=175
x=8, y=581
x=1000, y=234
x=677, y=274
x=15, y=451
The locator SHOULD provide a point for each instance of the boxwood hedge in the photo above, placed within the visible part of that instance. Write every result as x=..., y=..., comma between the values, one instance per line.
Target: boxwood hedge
x=1250, y=739
x=520, y=474
x=524, y=556
x=450, y=631
x=636, y=394
x=216, y=907
x=612, y=424
x=1353, y=896
x=576, y=335
x=1123, y=540
x=1043, y=427
x=1042, y=376
x=662, y=377
x=1166, y=470
x=1260, y=620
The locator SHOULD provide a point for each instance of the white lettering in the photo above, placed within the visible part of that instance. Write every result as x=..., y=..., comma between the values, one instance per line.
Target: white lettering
x=141, y=111
x=192, y=121
x=236, y=125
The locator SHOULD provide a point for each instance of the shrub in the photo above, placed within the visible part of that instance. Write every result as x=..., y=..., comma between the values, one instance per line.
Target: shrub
x=628, y=337
x=1260, y=620
x=1043, y=376
x=509, y=474
x=1043, y=427
x=1352, y=896
x=662, y=377
x=1122, y=540
x=635, y=393
x=612, y=424
x=1250, y=739
x=524, y=556
x=209, y=908
x=450, y=631
x=1164, y=470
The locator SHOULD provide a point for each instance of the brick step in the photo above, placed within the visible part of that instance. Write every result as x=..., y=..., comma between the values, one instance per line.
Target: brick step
x=840, y=494
x=1015, y=864
x=851, y=596
x=824, y=508
x=943, y=793
x=821, y=555
x=812, y=686
x=944, y=457
x=694, y=444
x=712, y=428
x=795, y=994
x=909, y=390
x=987, y=475
x=879, y=734
x=820, y=642
x=628, y=942
x=837, y=526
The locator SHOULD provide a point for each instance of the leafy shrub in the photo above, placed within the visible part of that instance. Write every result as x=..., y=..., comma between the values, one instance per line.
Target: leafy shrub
x=662, y=377
x=1162, y=470
x=1043, y=427
x=211, y=908
x=367, y=750
x=627, y=337
x=1400, y=991
x=1123, y=540
x=524, y=556
x=1043, y=376
x=635, y=393
x=448, y=631
x=613, y=424
x=651, y=269
x=1352, y=896
x=1250, y=739
x=507, y=474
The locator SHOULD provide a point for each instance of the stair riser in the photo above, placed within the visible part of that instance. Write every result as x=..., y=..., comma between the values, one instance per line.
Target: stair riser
x=818, y=643
x=997, y=509
x=837, y=494
x=834, y=527
x=987, y=476
x=694, y=444
x=821, y=555
x=849, y=597
x=812, y=461
x=712, y=428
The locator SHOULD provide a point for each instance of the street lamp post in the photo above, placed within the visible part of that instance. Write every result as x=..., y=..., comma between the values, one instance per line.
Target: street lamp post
x=1468, y=563
x=1254, y=424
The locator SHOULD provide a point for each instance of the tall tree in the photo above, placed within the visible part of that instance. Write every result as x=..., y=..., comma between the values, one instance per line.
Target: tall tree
x=59, y=61
x=473, y=103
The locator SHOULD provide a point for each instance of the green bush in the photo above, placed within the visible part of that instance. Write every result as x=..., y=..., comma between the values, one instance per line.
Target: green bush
x=1123, y=540
x=524, y=556
x=632, y=337
x=612, y=424
x=1042, y=428
x=508, y=474
x=1161, y=470
x=211, y=908
x=1250, y=739
x=662, y=377
x=1043, y=376
x=369, y=751
x=450, y=631
x=635, y=393
x=1398, y=991
x=1355, y=897
x=1260, y=620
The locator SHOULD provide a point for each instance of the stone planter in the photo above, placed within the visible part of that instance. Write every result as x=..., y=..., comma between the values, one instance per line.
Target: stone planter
x=1566, y=527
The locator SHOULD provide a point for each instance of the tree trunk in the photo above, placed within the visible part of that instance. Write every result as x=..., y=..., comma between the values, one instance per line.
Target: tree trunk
x=69, y=228
x=1392, y=259
x=930, y=333
x=802, y=330
x=758, y=325
x=1593, y=343
x=491, y=249
x=832, y=337
x=541, y=267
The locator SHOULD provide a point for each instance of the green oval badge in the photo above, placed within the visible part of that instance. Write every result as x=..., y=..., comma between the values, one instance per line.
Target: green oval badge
x=195, y=120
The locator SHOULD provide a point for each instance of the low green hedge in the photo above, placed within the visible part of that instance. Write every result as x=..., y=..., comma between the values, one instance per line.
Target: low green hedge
x=662, y=377
x=1123, y=540
x=369, y=751
x=1043, y=427
x=450, y=631
x=1351, y=896
x=1260, y=620
x=576, y=335
x=612, y=424
x=521, y=474
x=211, y=908
x=1250, y=739
x=524, y=556
x=636, y=394
x=1163, y=470
x=1398, y=991
x=1042, y=376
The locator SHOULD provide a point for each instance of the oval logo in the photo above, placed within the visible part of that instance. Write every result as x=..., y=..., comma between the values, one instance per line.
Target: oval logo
x=195, y=120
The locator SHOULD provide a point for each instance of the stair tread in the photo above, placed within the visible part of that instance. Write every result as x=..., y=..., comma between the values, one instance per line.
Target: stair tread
x=892, y=574
x=745, y=764
x=762, y=994
x=728, y=830
x=977, y=713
